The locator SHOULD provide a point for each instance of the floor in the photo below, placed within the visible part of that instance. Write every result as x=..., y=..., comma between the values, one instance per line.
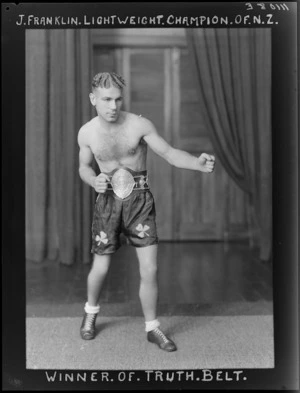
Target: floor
x=195, y=278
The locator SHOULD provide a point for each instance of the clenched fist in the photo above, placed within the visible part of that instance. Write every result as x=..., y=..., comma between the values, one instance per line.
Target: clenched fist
x=100, y=183
x=206, y=162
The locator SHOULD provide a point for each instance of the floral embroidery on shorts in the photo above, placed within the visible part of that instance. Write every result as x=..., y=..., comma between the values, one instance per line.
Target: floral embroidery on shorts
x=102, y=238
x=142, y=230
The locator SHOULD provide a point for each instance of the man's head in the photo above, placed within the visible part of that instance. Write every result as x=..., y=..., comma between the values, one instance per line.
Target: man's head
x=106, y=96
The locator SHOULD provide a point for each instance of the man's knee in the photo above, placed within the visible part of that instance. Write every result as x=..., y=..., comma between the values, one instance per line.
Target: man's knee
x=100, y=263
x=148, y=262
x=149, y=271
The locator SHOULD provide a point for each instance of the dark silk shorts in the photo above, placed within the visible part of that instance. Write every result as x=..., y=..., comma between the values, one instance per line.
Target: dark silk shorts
x=133, y=216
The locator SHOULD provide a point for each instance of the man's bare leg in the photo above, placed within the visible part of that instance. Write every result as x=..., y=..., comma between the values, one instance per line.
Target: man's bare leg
x=147, y=257
x=95, y=282
x=96, y=277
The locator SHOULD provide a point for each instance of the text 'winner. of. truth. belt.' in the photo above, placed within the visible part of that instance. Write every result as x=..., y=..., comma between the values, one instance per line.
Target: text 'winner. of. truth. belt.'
x=124, y=181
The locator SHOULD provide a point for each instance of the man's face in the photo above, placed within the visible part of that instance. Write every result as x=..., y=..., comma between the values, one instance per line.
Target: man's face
x=107, y=102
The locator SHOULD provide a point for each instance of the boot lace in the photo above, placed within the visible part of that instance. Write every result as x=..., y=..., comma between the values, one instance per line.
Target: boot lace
x=89, y=321
x=160, y=333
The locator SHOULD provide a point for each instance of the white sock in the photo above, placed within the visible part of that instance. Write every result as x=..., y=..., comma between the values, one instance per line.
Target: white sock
x=91, y=309
x=151, y=325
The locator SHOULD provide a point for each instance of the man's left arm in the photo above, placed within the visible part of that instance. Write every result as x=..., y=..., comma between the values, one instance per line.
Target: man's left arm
x=176, y=157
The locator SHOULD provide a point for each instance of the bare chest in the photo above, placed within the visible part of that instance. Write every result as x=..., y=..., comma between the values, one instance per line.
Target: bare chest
x=115, y=146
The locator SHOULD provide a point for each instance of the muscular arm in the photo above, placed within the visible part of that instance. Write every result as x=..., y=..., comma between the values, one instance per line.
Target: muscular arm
x=176, y=157
x=86, y=171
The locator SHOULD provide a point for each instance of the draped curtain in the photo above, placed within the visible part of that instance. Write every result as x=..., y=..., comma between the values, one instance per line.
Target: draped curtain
x=232, y=69
x=58, y=204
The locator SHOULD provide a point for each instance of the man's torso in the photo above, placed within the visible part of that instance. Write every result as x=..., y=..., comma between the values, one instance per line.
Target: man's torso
x=122, y=146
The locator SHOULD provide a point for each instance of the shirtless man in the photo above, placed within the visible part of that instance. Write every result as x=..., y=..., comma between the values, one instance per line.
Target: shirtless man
x=118, y=140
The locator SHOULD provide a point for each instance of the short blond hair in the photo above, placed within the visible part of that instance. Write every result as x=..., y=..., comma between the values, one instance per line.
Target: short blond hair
x=108, y=79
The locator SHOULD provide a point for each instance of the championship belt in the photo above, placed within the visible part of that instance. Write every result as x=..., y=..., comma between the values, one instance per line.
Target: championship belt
x=123, y=182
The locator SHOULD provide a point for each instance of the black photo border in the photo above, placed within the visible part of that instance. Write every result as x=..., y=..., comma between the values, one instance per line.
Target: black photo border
x=285, y=375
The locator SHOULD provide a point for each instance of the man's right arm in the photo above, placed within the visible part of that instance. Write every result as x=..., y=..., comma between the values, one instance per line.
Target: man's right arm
x=86, y=171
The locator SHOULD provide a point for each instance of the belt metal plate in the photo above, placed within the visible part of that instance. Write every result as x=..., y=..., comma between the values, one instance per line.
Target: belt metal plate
x=122, y=183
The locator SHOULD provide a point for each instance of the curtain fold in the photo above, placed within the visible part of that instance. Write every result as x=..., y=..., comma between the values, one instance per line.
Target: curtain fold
x=36, y=143
x=58, y=204
x=232, y=69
